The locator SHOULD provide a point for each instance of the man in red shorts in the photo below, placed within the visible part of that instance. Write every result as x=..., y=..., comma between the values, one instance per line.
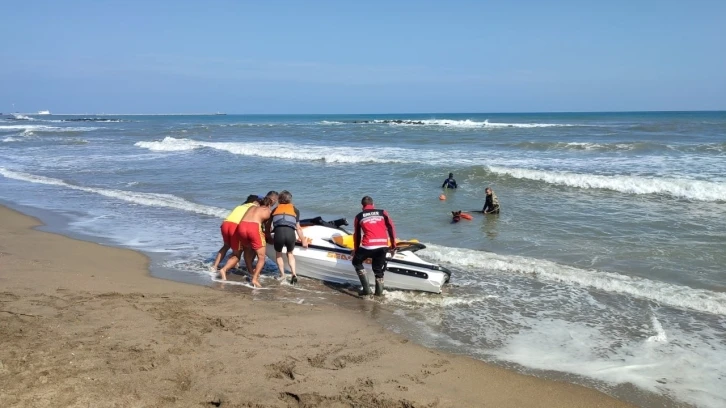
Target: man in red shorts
x=253, y=238
x=230, y=237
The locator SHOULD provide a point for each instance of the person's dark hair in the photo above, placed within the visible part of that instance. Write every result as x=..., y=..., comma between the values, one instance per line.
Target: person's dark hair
x=272, y=193
x=251, y=198
x=285, y=197
x=266, y=202
x=367, y=200
x=451, y=175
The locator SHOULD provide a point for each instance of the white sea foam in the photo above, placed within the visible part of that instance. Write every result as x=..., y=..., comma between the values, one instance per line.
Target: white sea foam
x=597, y=146
x=689, y=368
x=660, y=334
x=466, y=124
x=450, y=123
x=286, y=151
x=18, y=116
x=526, y=125
x=660, y=292
x=148, y=199
x=171, y=144
x=10, y=139
x=684, y=188
x=44, y=128
x=431, y=299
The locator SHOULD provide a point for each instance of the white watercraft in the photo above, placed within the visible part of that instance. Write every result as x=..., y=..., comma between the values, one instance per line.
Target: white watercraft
x=44, y=112
x=328, y=258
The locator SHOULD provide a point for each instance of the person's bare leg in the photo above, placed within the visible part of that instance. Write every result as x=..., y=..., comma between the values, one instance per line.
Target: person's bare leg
x=231, y=263
x=249, y=257
x=291, y=262
x=280, y=264
x=222, y=252
x=258, y=268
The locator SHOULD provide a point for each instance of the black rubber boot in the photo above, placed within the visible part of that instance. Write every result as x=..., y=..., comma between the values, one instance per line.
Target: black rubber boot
x=364, y=282
x=379, y=286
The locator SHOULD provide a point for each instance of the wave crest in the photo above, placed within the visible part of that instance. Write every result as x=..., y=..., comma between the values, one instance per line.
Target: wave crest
x=660, y=292
x=285, y=151
x=450, y=123
x=148, y=199
x=29, y=129
x=683, y=188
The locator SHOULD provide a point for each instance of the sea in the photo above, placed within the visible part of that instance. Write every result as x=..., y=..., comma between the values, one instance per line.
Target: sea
x=605, y=267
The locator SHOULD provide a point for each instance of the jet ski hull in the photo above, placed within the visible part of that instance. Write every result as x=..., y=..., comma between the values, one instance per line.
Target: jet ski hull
x=326, y=261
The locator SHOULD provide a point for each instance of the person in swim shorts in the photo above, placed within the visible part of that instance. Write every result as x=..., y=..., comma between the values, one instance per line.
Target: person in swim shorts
x=284, y=222
x=253, y=238
x=230, y=237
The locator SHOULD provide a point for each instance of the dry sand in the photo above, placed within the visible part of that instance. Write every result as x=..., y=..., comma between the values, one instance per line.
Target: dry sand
x=83, y=325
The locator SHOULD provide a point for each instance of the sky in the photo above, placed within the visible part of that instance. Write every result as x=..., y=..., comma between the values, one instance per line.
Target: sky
x=286, y=57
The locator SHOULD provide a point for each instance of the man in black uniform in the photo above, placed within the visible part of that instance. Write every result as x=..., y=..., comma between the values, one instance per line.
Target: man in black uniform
x=449, y=182
x=491, y=205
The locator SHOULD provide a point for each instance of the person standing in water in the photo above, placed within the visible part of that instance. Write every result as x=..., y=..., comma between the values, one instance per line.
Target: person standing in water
x=449, y=182
x=491, y=205
x=285, y=221
x=230, y=237
x=253, y=238
x=373, y=236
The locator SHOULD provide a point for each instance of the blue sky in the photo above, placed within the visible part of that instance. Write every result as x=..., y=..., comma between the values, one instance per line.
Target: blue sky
x=362, y=57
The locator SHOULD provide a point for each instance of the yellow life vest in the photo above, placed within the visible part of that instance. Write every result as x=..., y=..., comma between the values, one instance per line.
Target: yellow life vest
x=236, y=215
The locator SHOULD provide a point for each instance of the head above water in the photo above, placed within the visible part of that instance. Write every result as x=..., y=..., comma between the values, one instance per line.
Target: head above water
x=251, y=198
x=488, y=191
x=367, y=200
x=451, y=175
x=285, y=197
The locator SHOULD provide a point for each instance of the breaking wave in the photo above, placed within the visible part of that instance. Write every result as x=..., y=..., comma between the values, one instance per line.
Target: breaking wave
x=108, y=120
x=27, y=129
x=148, y=199
x=621, y=146
x=18, y=116
x=450, y=123
x=697, y=190
x=287, y=151
x=660, y=292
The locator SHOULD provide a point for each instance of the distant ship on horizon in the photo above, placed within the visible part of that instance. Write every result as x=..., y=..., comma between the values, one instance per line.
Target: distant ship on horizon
x=220, y=113
x=44, y=112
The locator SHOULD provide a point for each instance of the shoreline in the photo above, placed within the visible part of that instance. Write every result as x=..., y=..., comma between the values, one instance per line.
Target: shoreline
x=99, y=330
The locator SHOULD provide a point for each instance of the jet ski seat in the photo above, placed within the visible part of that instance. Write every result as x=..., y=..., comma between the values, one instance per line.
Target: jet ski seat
x=345, y=241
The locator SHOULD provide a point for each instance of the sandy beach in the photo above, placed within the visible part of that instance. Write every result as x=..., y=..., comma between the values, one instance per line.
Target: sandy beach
x=84, y=325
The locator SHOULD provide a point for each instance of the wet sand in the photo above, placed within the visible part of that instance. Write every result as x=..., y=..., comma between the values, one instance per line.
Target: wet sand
x=84, y=325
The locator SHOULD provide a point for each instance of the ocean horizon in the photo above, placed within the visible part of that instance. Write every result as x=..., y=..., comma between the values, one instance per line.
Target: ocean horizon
x=223, y=113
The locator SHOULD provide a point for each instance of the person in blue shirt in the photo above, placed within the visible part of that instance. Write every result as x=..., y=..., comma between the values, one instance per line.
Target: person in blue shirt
x=449, y=182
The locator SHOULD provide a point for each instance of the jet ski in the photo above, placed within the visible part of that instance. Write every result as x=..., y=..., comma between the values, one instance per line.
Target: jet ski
x=328, y=258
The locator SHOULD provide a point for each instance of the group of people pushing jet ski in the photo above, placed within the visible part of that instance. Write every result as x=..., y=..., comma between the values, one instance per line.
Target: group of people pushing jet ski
x=250, y=225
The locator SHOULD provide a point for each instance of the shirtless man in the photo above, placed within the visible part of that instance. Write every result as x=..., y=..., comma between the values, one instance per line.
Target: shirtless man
x=230, y=237
x=253, y=238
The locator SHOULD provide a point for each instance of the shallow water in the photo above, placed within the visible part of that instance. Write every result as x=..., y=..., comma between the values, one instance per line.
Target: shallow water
x=605, y=266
